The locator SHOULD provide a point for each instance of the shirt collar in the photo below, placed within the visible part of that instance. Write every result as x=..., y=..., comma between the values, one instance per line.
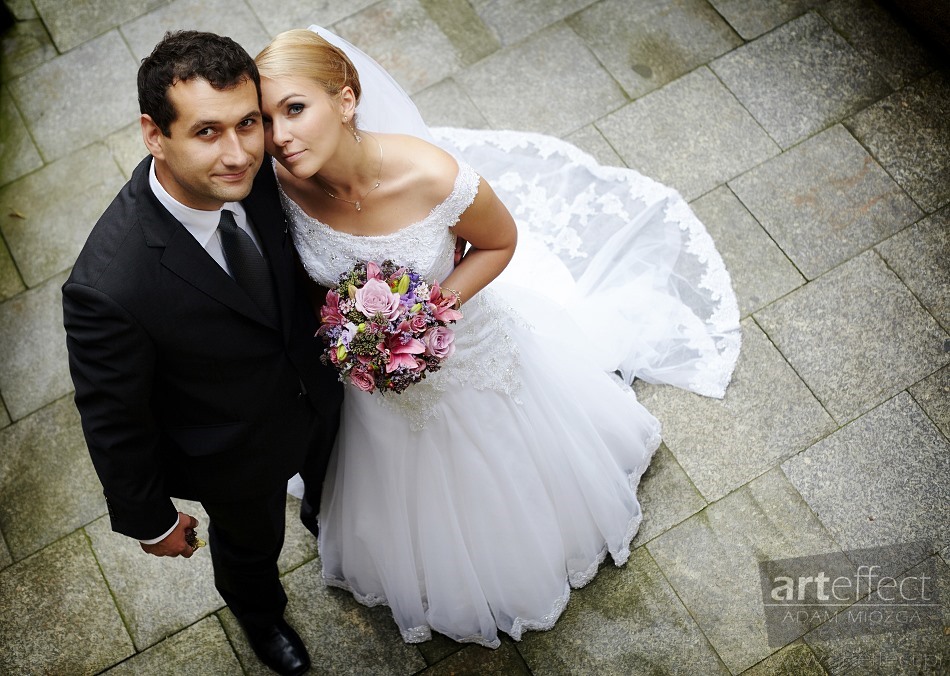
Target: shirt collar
x=201, y=224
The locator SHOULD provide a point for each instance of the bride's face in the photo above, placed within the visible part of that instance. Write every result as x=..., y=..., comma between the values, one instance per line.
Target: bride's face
x=303, y=125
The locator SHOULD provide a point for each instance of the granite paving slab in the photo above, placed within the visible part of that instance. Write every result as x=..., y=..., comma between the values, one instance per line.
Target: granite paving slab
x=796, y=659
x=5, y=557
x=752, y=18
x=4, y=416
x=647, y=43
x=439, y=648
x=73, y=23
x=800, y=79
x=341, y=635
x=767, y=415
x=10, y=281
x=882, y=480
x=933, y=395
x=18, y=155
x=127, y=148
x=760, y=270
x=627, y=621
x=591, y=141
x=877, y=36
x=477, y=661
x=48, y=486
x=56, y=615
x=513, y=20
x=24, y=46
x=666, y=496
x=57, y=207
x=712, y=562
x=278, y=16
x=300, y=546
x=856, y=336
x=463, y=27
x=33, y=365
x=157, y=596
x=692, y=134
x=402, y=37
x=202, y=648
x=444, y=104
x=21, y=9
x=847, y=647
x=919, y=255
x=909, y=133
x=825, y=200
x=568, y=87
x=233, y=19
x=60, y=108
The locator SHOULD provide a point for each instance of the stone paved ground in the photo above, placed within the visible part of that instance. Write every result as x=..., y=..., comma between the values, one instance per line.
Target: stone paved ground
x=813, y=138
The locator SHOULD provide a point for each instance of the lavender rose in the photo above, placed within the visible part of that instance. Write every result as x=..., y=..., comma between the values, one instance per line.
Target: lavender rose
x=439, y=342
x=376, y=297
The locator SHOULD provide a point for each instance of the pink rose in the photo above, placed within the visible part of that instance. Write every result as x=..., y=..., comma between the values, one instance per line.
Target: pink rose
x=417, y=322
x=439, y=342
x=362, y=379
x=374, y=297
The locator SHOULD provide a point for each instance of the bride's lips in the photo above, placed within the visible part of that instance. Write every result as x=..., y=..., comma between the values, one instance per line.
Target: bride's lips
x=290, y=157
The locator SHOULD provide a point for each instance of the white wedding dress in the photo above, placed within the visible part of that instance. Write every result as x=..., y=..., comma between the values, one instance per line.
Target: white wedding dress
x=476, y=499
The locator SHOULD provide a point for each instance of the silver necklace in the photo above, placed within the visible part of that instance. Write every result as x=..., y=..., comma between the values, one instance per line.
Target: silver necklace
x=359, y=202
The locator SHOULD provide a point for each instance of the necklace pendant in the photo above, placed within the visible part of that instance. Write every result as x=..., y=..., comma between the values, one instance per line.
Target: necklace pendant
x=359, y=207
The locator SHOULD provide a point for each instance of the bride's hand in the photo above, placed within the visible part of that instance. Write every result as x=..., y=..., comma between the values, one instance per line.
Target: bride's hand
x=460, y=244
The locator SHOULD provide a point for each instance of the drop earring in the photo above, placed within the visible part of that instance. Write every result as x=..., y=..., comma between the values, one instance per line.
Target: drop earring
x=359, y=139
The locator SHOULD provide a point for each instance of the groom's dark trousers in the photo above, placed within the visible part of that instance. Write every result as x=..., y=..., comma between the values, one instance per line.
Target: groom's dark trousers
x=186, y=389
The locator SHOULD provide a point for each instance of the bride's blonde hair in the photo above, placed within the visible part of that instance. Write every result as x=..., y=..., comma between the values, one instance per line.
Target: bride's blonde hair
x=303, y=53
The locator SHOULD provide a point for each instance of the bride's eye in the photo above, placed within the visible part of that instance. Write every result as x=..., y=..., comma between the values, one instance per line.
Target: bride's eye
x=295, y=108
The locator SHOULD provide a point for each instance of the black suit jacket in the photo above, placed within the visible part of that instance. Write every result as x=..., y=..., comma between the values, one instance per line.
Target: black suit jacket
x=184, y=387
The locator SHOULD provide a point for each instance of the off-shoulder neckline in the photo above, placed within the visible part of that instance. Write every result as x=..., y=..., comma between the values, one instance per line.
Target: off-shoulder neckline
x=456, y=188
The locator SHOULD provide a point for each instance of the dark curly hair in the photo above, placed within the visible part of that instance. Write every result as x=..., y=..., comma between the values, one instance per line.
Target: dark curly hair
x=183, y=56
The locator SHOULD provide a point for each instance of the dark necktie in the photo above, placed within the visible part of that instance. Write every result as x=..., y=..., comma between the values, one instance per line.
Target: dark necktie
x=247, y=265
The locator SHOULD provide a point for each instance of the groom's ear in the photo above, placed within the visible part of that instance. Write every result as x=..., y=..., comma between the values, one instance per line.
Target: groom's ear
x=152, y=136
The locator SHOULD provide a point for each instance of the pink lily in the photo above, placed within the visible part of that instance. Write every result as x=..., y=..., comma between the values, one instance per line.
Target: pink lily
x=330, y=312
x=400, y=354
x=441, y=305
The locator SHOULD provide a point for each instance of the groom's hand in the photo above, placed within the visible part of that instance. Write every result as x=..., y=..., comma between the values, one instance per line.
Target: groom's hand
x=176, y=542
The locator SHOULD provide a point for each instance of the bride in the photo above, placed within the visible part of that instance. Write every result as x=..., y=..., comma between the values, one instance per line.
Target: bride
x=477, y=498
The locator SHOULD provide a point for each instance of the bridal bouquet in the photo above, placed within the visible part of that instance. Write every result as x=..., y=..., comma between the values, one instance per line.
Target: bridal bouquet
x=385, y=327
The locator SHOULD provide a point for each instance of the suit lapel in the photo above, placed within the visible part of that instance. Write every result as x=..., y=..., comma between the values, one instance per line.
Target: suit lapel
x=183, y=255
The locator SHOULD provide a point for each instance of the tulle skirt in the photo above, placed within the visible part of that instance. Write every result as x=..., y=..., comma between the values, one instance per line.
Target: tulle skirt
x=485, y=516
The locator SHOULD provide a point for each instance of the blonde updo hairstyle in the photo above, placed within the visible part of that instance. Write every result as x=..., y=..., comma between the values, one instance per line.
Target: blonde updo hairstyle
x=303, y=53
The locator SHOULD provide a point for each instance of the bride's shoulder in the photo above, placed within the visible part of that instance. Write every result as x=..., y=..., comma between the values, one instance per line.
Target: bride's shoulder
x=428, y=169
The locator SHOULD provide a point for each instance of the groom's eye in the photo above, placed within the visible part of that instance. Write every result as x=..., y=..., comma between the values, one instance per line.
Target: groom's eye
x=247, y=122
x=205, y=133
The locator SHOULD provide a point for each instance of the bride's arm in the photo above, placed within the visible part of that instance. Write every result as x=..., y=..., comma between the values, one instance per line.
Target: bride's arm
x=491, y=232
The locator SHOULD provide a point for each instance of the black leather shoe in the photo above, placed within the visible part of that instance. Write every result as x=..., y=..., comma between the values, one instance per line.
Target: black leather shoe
x=280, y=648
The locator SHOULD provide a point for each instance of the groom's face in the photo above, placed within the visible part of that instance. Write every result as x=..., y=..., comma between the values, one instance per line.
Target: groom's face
x=215, y=147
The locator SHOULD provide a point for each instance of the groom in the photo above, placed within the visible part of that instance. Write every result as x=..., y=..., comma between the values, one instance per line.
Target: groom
x=190, y=339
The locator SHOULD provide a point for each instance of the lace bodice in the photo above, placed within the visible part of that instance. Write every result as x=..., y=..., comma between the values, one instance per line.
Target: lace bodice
x=485, y=355
x=427, y=246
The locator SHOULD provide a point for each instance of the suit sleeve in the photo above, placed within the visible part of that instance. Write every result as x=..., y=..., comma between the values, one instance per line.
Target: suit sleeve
x=112, y=362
